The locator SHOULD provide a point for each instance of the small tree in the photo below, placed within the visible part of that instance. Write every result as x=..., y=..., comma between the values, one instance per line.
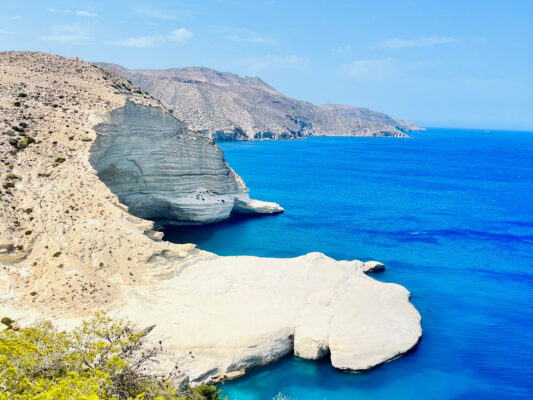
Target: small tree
x=101, y=359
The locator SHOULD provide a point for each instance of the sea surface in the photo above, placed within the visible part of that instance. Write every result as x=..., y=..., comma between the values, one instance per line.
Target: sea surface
x=450, y=212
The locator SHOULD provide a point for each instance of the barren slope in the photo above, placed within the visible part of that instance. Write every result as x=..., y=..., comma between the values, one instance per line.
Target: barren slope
x=225, y=106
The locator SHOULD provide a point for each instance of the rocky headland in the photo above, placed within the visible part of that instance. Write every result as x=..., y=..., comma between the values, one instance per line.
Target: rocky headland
x=86, y=157
x=225, y=106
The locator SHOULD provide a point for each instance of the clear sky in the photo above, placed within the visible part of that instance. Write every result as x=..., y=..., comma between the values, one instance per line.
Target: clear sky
x=448, y=63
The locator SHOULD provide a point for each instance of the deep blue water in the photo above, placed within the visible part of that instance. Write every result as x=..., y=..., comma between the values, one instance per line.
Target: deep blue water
x=450, y=212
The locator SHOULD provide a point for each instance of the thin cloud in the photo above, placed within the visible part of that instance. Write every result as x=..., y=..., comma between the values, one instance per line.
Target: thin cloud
x=6, y=32
x=67, y=33
x=139, y=42
x=160, y=14
x=342, y=49
x=85, y=13
x=250, y=38
x=368, y=68
x=75, y=12
x=181, y=35
x=397, y=43
x=270, y=61
x=243, y=35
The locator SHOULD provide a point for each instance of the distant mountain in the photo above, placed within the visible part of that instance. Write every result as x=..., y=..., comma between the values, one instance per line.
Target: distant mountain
x=226, y=106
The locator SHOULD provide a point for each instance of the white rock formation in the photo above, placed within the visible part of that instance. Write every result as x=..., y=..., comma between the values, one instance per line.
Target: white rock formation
x=232, y=313
x=162, y=170
x=371, y=266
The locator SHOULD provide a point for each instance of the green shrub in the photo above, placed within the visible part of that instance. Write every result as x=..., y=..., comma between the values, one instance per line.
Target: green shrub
x=22, y=143
x=56, y=254
x=7, y=321
x=101, y=359
x=86, y=139
x=59, y=160
x=16, y=103
x=23, y=95
x=33, y=293
x=12, y=176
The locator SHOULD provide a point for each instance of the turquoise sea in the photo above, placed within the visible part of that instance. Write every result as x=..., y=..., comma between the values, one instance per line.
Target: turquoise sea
x=450, y=212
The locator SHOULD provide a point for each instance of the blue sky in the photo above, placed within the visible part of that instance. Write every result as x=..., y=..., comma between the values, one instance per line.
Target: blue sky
x=439, y=63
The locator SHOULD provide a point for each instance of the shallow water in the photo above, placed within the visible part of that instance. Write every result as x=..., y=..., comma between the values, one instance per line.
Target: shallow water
x=450, y=212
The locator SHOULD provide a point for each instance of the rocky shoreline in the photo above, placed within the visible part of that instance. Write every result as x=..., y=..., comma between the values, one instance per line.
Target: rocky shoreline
x=70, y=245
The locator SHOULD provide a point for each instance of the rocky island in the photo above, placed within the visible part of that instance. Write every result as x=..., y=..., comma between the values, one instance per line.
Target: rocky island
x=88, y=161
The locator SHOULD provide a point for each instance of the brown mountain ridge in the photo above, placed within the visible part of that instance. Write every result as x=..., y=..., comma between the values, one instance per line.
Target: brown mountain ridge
x=225, y=106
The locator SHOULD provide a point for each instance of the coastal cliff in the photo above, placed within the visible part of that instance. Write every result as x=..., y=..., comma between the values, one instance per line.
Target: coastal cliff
x=225, y=106
x=164, y=171
x=86, y=156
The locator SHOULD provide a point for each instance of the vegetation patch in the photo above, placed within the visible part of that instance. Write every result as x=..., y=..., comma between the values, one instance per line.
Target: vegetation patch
x=22, y=143
x=101, y=359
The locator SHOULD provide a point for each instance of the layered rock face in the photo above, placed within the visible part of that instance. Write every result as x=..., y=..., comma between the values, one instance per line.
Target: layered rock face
x=225, y=106
x=164, y=171
x=69, y=247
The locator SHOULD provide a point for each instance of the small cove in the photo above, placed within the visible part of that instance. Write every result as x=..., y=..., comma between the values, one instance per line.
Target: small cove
x=450, y=214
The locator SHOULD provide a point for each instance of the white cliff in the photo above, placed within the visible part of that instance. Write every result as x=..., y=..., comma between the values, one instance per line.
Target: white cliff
x=162, y=170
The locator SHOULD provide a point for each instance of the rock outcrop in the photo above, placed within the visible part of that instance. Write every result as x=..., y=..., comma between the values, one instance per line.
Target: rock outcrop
x=70, y=247
x=164, y=171
x=234, y=313
x=225, y=106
